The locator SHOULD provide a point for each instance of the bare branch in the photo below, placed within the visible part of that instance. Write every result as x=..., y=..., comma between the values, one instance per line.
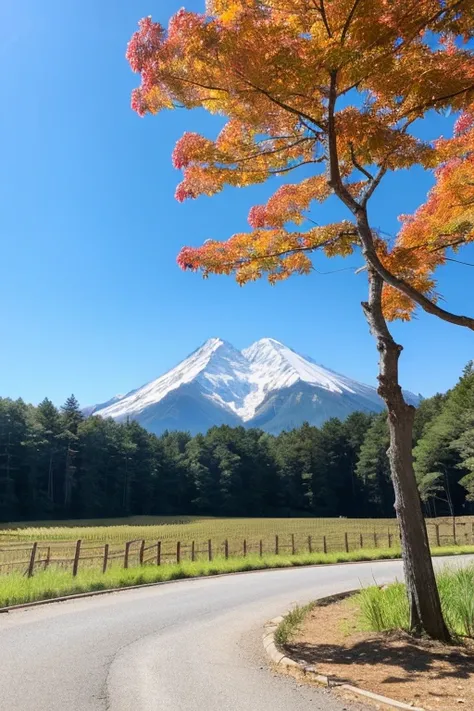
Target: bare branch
x=458, y=261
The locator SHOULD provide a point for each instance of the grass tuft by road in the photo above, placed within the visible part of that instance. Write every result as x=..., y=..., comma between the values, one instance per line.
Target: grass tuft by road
x=386, y=609
x=291, y=623
x=17, y=589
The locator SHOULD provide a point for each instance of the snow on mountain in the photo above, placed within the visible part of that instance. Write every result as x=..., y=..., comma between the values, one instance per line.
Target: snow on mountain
x=267, y=384
x=92, y=409
x=217, y=367
x=280, y=367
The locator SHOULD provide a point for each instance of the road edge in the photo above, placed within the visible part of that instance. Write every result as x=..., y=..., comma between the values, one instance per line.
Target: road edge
x=279, y=659
x=108, y=591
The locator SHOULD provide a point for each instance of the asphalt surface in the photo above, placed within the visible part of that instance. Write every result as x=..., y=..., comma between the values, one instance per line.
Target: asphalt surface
x=193, y=645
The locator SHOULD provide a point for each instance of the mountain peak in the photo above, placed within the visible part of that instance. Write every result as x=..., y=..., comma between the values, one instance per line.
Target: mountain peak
x=268, y=342
x=265, y=343
x=211, y=344
x=218, y=384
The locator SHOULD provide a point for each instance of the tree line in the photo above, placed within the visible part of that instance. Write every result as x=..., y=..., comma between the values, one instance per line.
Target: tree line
x=57, y=464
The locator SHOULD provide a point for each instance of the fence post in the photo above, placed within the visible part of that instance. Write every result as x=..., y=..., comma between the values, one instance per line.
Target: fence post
x=293, y=549
x=277, y=546
x=325, y=546
x=389, y=540
x=472, y=532
x=178, y=552
x=142, y=551
x=106, y=558
x=245, y=547
x=261, y=548
x=438, y=543
x=209, y=549
x=361, y=539
x=75, y=564
x=193, y=552
x=48, y=557
x=310, y=545
x=226, y=548
x=454, y=531
x=126, y=554
x=31, y=564
x=346, y=543
x=376, y=543
x=158, y=553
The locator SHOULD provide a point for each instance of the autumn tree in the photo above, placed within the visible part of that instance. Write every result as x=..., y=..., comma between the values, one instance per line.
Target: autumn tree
x=335, y=86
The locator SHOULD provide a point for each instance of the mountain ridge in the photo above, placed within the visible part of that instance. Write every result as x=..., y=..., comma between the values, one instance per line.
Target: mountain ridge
x=267, y=384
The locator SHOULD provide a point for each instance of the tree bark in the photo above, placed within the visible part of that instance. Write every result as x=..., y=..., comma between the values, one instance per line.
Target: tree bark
x=425, y=607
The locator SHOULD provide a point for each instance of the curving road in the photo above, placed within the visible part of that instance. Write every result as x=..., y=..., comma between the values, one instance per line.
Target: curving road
x=193, y=645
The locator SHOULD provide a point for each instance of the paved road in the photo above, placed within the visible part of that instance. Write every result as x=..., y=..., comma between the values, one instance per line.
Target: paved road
x=188, y=646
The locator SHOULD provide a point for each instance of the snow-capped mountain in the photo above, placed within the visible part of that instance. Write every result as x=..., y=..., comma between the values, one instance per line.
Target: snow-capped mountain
x=92, y=409
x=267, y=385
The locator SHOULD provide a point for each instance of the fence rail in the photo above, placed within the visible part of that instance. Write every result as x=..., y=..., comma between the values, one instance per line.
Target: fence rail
x=76, y=555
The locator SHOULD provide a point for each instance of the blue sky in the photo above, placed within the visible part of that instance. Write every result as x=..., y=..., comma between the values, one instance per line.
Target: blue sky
x=91, y=299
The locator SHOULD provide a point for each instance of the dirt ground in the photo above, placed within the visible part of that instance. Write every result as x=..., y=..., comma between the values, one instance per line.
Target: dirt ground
x=424, y=674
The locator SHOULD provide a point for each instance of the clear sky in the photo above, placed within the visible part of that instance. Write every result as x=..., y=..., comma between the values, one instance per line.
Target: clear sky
x=91, y=299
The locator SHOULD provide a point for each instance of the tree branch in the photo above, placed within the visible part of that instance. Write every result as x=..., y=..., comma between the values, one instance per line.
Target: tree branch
x=272, y=152
x=348, y=21
x=373, y=186
x=433, y=102
x=322, y=11
x=335, y=180
x=379, y=41
x=436, y=249
x=292, y=167
x=371, y=256
x=284, y=106
x=288, y=252
x=357, y=165
x=458, y=261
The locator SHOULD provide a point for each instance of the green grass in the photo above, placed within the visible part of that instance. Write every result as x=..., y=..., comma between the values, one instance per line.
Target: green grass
x=291, y=623
x=54, y=582
x=386, y=609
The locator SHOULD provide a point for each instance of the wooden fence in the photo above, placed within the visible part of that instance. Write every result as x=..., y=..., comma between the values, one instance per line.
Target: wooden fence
x=76, y=555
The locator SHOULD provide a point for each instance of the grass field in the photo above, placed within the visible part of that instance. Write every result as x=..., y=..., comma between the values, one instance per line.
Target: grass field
x=187, y=528
x=244, y=536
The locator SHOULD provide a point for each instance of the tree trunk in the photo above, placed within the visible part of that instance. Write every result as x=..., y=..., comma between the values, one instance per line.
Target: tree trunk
x=425, y=607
